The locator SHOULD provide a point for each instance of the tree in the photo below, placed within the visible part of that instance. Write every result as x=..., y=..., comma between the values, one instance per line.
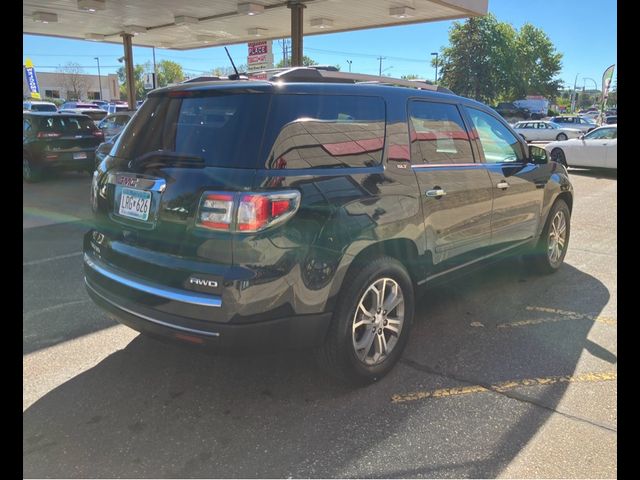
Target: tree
x=491, y=61
x=138, y=72
x=73, y=80
x=537, y=63
x=411, y=76
x=169, y=72
x=306, y=61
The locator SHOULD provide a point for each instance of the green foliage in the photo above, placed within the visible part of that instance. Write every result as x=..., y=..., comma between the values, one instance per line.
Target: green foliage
x=411, y=76
x=138, y=74
x=491, y=61
x=169, y=72
x=57, y=101
x=306, y=61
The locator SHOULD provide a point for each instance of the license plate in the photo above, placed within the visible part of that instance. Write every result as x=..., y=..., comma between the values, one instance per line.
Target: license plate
x=80, y=156
x=135, y=204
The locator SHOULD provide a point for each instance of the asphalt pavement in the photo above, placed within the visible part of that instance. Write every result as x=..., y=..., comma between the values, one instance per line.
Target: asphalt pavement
x=506, y=374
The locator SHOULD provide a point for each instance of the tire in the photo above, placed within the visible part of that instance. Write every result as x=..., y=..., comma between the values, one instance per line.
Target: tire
x=557, y=155
x=30, y=173
x=340, y=356
x=549, y=252
x=562, y=136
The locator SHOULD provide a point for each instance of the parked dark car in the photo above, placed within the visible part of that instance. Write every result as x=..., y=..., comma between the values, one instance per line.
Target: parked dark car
x=510, y=112
x=611, y=119
x=309, y=213
x=95, y=114
x=61, y=141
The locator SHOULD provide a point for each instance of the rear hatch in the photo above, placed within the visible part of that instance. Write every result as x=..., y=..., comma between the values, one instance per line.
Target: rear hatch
x=69, y=137
x=180, y=145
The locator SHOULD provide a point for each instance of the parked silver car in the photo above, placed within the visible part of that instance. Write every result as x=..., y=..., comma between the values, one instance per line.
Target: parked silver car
x=573, y=121
x=542, y=130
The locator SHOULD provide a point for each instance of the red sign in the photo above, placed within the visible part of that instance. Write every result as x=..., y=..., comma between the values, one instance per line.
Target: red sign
x=257, y=59
x=258, y=48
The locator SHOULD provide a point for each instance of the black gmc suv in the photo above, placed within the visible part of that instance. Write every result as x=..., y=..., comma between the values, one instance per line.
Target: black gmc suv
x=305, y=211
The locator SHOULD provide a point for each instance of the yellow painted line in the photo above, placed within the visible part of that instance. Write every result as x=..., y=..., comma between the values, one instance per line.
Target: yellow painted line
x=505, y=386
x=560, y=315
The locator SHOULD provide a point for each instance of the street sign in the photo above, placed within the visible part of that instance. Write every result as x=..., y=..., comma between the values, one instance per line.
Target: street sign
x=149, y=82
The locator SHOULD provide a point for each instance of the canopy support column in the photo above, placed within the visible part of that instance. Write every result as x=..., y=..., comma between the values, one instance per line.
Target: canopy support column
x=128, y=68
x=296, y=31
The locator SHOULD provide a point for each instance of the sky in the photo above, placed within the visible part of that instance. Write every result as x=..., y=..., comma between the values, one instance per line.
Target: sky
x=584, y=31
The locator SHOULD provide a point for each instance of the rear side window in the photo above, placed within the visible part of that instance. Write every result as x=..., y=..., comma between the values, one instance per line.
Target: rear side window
x=324, y=131
x=224, y=130
x=38, y=107
x=438, y=134
x=498, y=144
x=67, y=125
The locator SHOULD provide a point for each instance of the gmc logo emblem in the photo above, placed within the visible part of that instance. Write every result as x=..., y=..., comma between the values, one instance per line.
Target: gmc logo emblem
x=203, y=283
x=127, y=181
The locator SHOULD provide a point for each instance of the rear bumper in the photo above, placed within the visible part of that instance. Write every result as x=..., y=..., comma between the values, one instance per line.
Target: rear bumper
x=301, y=331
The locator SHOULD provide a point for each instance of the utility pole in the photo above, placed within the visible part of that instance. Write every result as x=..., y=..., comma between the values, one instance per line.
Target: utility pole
x=436, y=55
x=349, y=62
x=155, y=70
x=99, y=79
x=380, y=68
x=575, y=94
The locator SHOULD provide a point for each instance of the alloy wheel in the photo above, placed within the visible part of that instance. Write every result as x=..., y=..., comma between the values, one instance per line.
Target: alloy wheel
x=557, y=238
x=378, y=321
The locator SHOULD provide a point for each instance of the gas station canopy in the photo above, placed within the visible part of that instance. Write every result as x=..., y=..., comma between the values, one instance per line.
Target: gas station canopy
x=190, y=24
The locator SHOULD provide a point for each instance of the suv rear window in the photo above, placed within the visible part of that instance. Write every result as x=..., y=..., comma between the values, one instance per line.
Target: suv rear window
x=67, y=125
x=43, y=107
x=224, y=130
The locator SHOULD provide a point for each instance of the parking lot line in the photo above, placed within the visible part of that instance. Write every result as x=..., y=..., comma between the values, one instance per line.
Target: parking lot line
x=589, y=377
x=51, y=259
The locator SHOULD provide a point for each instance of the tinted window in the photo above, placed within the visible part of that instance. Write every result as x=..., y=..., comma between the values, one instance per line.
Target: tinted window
x=498, y=144
x=225, y=130
x=67, y=125
x=39, y=107
x=438, y=134
x=320, y=131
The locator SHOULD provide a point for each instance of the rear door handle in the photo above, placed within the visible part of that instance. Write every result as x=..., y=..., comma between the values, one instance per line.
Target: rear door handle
x=502, y=185
x=436, y=193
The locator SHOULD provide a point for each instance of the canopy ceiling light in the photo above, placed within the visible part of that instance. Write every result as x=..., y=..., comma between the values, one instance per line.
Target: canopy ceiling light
x=184, y=20
x=94, y=36
x=134, y=29
x=257, y=32
x=321, y=22
x=250, y=8
x=44, y=17
x=401, y=12
x=206, y=38
x=91, y=5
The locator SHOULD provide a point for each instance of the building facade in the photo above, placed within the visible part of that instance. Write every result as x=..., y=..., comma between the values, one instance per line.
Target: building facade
x=75, y=86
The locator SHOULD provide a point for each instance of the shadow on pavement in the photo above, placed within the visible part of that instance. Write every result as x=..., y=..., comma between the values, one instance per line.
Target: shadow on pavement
x=156, y=409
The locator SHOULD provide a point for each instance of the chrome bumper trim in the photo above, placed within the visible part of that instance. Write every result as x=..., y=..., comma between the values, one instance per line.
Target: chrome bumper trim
x=169, y=293
x=149, y=319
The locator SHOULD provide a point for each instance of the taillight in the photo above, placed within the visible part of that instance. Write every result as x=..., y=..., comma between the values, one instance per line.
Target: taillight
x=48, y=134
x=260, y=210
x=216, y=210
x=246, y=212
x=98, y=133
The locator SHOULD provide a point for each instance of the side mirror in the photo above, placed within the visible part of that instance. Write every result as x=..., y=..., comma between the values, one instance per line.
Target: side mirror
x=538, y=155
x=581, y=137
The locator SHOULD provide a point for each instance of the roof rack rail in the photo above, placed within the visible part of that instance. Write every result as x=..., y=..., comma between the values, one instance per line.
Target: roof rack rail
x=330, y=74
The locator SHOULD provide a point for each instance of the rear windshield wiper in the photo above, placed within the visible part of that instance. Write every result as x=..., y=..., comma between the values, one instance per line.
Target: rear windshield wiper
x=167, y=157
